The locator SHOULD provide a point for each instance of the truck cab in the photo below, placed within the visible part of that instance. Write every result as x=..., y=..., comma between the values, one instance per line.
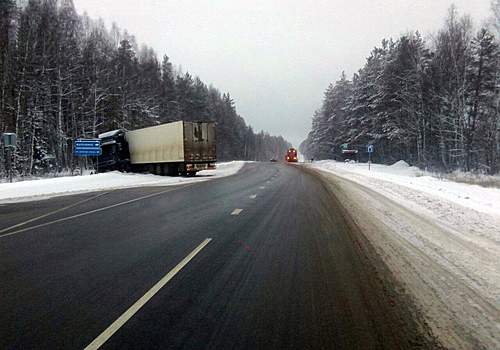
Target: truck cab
x=114, y=148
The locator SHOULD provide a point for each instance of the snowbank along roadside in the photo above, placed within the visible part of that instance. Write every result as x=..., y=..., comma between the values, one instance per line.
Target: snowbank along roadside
x=442, y=241
x=46, y=188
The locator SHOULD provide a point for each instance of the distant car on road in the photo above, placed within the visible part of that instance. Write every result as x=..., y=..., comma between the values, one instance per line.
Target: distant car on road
x=273, y=160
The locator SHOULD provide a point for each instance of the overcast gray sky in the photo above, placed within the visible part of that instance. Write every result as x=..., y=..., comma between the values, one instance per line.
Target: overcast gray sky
x=275, y=58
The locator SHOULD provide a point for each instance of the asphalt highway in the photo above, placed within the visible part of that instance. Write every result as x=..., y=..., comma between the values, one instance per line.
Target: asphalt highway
x=264, y=259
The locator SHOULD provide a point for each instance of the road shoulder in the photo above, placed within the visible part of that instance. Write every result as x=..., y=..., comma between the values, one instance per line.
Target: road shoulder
x=437, y=289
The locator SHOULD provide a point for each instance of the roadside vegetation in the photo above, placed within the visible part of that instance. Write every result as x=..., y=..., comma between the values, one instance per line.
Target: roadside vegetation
x=65, y=77
x=473, y=179
x=433, y=103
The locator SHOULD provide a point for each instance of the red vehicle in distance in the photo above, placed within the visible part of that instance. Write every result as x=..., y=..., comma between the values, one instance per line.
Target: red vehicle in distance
x=291, y=155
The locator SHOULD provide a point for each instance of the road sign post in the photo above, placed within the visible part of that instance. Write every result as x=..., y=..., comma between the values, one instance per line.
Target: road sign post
x=10, y=142
x=88, y=148
x=369, y=149
x=9, y=154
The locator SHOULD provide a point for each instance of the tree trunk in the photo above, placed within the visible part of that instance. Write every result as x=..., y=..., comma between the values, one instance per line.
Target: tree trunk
x=59, y=119
x=32, y=146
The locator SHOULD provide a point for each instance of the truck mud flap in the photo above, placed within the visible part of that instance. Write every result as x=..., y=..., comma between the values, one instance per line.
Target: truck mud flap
x=198, y=167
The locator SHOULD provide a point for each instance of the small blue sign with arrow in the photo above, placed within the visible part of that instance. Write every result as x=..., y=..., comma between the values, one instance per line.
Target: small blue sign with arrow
x=369, y=149
x=87, y=144
x=87, y=148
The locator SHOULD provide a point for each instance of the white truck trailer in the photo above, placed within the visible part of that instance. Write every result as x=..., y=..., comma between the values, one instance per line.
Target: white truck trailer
x=167, y=149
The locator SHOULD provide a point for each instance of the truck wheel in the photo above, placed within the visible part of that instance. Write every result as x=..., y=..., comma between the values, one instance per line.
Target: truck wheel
x=121, y=167
x=168, y=170
x=172, y=170
x=159, y=169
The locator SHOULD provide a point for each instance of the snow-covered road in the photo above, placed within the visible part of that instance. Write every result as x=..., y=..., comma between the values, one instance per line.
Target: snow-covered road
x=441, y=240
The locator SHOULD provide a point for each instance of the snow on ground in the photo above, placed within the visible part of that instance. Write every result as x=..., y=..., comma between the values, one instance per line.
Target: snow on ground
x=473, y=212
x=46, y=188
x=485, y=200
x=445, y=249
x=472, y=208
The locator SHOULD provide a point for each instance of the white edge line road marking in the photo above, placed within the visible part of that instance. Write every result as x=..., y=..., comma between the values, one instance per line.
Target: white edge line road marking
x=54, y=212
x=101, y=339
x=253, y=196
x=262, y=187
x=95, y=211
x=237, y=212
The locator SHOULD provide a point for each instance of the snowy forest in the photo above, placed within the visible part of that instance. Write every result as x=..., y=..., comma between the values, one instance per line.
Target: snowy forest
x=433, y=104
x=65, y=77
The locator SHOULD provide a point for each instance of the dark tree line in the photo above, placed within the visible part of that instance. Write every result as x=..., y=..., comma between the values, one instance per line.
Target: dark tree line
x=64, y=77
x=435, y=106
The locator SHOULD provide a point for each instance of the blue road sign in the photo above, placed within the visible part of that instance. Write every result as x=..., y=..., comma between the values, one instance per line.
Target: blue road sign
x=87, y=144
x=88, y=152
x=87, y=148
x=369, y=149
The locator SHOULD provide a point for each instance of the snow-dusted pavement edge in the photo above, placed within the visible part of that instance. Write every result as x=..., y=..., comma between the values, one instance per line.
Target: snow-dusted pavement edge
x=445, y=253
x=24, y=191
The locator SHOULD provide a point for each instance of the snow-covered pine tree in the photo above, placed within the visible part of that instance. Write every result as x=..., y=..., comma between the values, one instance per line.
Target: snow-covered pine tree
x=169, y=107
x=479, y=128
x=453, y=57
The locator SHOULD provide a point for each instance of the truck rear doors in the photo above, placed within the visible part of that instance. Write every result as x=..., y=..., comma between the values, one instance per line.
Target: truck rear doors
x=199, y=141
